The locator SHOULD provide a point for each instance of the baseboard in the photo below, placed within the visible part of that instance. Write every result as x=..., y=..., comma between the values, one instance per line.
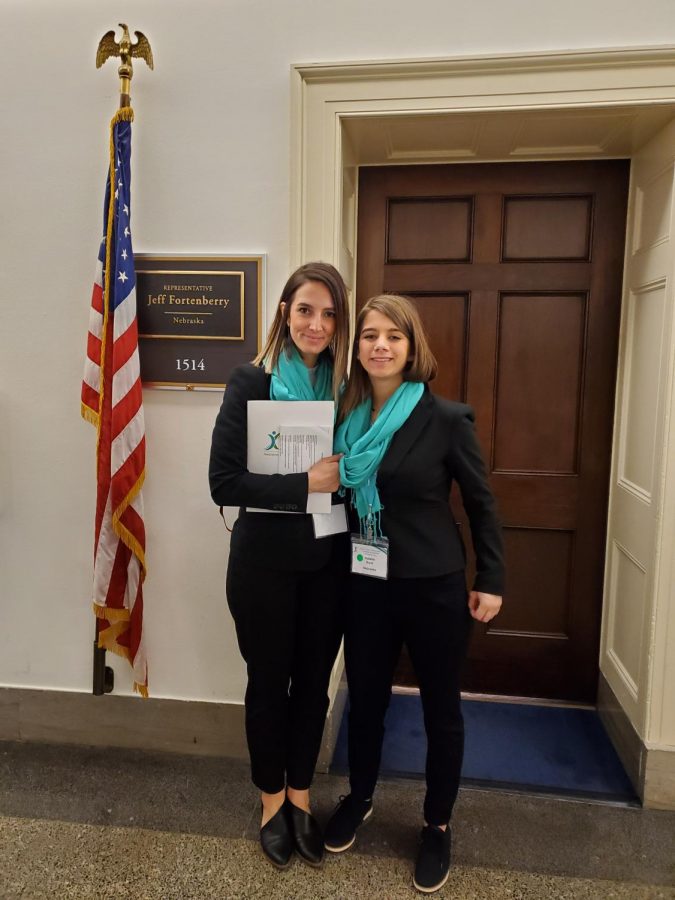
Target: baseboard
x=622, y=734
x=652, y=772
x=177, y=726
x=217, y=729
x=659, y=781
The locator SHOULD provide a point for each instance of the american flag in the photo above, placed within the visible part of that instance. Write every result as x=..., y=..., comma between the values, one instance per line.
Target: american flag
x=112, y=400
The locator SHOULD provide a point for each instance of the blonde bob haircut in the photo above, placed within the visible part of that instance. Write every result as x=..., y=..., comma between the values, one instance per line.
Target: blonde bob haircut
x=421, y=366
x=279, y=337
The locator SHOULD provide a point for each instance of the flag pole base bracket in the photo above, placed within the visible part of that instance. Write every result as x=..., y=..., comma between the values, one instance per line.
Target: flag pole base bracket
x=104, y=676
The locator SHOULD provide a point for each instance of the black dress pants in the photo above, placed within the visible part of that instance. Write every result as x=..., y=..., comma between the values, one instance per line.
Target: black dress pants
x=289, y=628
x=431, y=616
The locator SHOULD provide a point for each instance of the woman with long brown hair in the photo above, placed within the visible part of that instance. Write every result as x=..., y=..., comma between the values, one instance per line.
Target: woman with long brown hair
x=284, y=587
x=403, y=447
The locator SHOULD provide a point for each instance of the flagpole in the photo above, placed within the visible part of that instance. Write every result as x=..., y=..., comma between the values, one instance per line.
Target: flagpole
x=103, y=675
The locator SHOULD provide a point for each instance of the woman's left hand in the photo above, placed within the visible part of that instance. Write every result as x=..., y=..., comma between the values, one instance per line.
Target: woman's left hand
x=484, y=607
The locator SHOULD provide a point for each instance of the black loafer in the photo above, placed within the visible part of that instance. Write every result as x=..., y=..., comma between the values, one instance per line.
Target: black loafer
x=276, y=839
x=306, y=834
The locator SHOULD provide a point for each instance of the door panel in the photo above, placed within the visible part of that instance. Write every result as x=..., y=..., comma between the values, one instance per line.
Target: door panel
x=527, y=232
x=445, y=320
x=516, y=272
x=429, y=230
x=539, y=370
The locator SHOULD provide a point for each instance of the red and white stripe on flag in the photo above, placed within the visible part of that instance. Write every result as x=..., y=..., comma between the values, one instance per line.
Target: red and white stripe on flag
x=112, y=400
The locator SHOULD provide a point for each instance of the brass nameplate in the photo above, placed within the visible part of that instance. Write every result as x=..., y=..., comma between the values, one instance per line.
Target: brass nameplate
x=186, y=304
x=198, y=317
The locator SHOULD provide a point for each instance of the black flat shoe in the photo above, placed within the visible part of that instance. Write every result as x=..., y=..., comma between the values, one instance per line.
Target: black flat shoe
x=276, y=839
x=306, y=834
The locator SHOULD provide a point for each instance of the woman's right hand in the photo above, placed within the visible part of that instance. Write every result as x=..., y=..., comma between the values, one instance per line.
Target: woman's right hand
x=324, y=476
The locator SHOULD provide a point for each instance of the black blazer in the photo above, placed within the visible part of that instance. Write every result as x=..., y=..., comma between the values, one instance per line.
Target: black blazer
x=284, y=542
x=436, y=446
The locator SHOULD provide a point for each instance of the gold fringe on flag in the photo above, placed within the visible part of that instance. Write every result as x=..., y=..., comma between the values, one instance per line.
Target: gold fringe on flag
x=124, y=534
x=89, y=414
x=107, y=639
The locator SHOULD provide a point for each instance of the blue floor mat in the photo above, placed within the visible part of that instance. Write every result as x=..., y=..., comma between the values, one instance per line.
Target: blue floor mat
x=545, y=748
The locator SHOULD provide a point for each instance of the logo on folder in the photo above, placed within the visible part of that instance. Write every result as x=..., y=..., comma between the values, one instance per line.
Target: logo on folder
x=272, y=448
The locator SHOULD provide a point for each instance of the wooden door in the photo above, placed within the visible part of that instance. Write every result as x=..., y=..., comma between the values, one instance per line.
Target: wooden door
x=516, y=270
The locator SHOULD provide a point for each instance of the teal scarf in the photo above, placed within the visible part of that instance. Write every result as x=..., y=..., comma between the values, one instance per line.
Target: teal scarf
x=364, y=446
x=290, y=378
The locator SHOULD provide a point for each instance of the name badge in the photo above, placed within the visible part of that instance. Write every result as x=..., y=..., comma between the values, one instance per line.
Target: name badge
x=334, y=522
x=370, y=556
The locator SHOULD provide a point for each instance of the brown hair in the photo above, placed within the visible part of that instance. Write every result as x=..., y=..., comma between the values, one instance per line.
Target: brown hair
x=279, y=338
x=422, y=365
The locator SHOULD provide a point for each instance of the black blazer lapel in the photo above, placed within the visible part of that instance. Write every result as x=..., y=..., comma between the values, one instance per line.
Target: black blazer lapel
x=406, y=436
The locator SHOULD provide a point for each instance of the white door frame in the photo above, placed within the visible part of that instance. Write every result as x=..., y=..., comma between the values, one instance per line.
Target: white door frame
x=330, y=101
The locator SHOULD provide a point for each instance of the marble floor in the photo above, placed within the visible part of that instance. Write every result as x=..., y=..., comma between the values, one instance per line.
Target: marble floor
x=91, y=823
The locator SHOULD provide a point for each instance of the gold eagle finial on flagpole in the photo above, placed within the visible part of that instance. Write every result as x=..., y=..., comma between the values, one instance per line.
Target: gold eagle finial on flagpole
x=126, y=50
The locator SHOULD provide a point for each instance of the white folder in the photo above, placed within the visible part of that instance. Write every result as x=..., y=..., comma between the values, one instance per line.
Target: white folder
x=285, y=436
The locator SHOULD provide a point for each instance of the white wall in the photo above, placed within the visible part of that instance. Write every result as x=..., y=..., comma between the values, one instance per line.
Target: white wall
x=210, y=175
